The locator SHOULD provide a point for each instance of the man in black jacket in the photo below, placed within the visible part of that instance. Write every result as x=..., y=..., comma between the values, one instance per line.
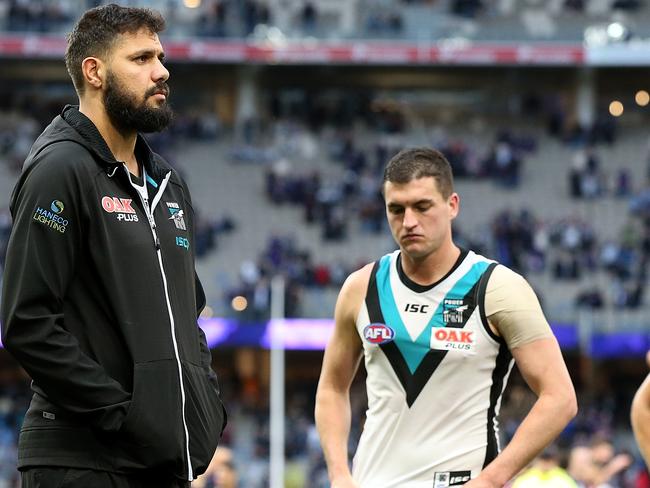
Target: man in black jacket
x=101, y=298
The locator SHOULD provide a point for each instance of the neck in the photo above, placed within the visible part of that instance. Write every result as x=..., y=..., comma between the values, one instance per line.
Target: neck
x=121, y=144
x=432, y=267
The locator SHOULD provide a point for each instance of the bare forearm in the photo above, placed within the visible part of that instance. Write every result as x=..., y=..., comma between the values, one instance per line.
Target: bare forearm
x=333, y=424
x=545, y=421
x=641, y=419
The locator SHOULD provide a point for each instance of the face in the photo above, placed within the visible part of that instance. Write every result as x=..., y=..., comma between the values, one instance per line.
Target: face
x=135, y=93
x=419, y=216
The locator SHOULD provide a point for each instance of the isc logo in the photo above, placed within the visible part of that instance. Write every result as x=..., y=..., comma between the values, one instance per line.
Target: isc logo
x=416, y=307
x=378, y=333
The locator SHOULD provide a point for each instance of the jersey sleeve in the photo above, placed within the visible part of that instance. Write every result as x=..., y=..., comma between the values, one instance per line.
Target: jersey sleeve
x=513, y=308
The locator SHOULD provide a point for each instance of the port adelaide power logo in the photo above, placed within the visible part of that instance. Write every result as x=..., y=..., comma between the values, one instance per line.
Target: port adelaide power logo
x=453, y=310
x=176, y=215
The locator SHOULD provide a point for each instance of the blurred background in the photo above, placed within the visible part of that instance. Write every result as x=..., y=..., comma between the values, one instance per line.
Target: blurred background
x=287, y=111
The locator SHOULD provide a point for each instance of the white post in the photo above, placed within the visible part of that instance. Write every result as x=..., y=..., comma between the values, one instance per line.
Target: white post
x=586, y=97
x=277, y=383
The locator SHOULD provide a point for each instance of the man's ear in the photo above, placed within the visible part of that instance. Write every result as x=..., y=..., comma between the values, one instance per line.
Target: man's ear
x=93, y=71
x=454, y=205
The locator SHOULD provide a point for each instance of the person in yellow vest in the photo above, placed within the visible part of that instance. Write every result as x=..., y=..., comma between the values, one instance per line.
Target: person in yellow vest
x=545, y=472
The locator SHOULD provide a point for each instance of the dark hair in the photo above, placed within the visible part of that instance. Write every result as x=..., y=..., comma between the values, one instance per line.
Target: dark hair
x=414, y=163
x=97, y=31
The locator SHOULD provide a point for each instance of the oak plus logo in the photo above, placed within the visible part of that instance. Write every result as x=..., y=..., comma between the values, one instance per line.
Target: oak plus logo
x=52, y=216
x=453, y=339
x=121, y=207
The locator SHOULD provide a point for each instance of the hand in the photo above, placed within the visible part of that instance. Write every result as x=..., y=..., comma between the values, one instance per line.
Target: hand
x=345, y=482
x=481, y=482
x=619, y=463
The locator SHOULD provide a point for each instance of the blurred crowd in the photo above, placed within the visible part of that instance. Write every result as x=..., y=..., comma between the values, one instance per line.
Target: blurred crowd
x=343, y=198
x=234, y=18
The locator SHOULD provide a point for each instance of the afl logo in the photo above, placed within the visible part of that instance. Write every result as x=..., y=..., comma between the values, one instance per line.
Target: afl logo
x=57, y=206
x=378, y=333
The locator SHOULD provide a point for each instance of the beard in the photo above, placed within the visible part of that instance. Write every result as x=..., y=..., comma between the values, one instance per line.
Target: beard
x=129, y=115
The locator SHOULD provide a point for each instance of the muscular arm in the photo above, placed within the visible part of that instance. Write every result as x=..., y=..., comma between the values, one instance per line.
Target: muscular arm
x=543, y=368
x=640, y=416
x=521, y=322
x=340, y=364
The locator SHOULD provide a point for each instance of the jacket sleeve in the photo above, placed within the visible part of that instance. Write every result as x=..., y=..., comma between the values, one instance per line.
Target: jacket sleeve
x=43, y=251
x=206, y=355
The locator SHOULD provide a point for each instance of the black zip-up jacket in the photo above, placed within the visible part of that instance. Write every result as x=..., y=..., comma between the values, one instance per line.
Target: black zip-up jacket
x=100, y=307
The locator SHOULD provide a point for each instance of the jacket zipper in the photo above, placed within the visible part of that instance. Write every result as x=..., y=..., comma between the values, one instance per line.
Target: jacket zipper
x=152, y=225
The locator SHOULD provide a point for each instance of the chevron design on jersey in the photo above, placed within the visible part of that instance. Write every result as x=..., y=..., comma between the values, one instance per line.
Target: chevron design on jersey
x=413, y=361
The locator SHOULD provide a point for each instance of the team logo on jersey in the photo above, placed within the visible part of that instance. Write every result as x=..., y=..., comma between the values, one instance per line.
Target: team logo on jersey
x=453, y=309
x=453, y=339
x=451, y=478
x=378, y=333
x=176, y=215
x=122, y=207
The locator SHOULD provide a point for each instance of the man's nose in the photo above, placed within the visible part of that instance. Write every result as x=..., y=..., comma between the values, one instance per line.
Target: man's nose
x=410, y=220
x=160, y=73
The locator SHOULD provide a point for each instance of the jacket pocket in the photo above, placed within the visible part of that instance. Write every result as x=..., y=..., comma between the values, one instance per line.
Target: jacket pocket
x=153, y=425
x=204, y=414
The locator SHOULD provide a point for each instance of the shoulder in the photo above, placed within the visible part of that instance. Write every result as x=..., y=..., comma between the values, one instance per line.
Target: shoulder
x=504, y=278
x=58, y=156
x=60, y=164
x=354, y=290
x=357, y=282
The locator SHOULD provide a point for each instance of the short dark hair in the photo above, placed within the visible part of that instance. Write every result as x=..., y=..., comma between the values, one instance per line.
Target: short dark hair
x=97, y=31
x=419, y=162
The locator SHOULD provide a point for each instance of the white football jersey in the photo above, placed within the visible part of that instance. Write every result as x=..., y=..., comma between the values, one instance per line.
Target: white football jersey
x=436, y=373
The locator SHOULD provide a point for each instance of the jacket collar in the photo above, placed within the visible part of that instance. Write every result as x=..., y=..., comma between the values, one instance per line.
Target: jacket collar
x=96, y=144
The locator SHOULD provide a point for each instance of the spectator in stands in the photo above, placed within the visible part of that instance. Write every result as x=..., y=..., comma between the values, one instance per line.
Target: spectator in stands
x=309, y=17
x=597, y=465
x=466, y=8
x=221, y=472
x=212, y=22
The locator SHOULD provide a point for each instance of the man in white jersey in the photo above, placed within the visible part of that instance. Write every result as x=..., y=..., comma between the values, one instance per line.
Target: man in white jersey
x=438, y=328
